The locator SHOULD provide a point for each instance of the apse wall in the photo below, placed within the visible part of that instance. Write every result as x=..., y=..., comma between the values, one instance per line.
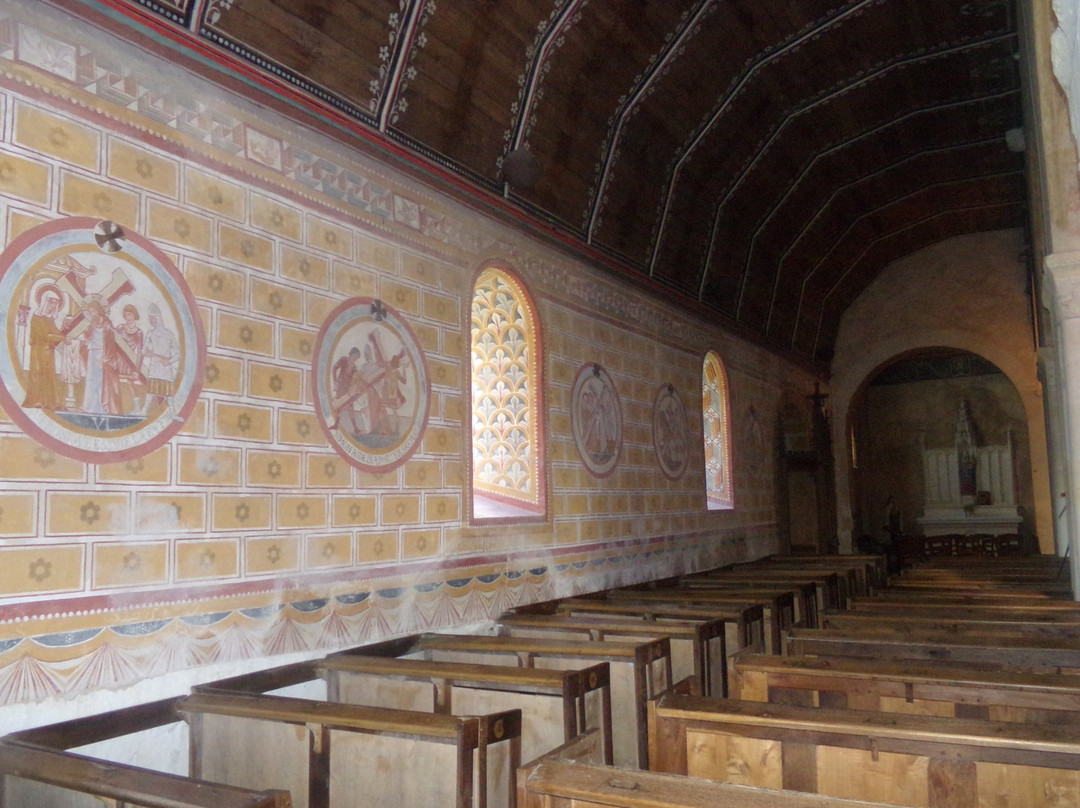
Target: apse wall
x=213, y=520
x=969, y=293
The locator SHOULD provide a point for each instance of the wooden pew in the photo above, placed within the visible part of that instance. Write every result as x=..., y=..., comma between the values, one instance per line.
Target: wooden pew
x=745, y=622
x=640, y=670
x=850, y=576
x=1050, y=611
x=832, y=587
x=778, y=607
x=985, y=651
x=988, y=623
x=50, y=778
x=1049, y=565
x=1045, y=588
x=50, y=774
x=972, y=596
x=918, y=688
x=556, y=705
x=554, y=783
x=698, y=647
x=871, y=570
x=330, y=754
x=857, y=754
x=804, y=594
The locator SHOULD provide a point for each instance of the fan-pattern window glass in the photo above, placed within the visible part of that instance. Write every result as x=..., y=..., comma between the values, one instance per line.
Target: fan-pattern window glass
x=506, y=457
x=716, y=426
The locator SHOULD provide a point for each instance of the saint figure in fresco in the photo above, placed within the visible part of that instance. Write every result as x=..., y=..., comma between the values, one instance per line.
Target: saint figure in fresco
x=159, y=361
x=389, y=379
x=367, y=390
x=342, y=376
x=599, y=432
x=671, y=434
x=43, y=390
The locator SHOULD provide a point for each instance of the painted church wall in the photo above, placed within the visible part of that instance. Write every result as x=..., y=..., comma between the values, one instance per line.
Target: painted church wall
x=242, y=533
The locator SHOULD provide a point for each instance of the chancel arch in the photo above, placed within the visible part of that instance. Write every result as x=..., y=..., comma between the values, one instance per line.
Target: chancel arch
x=939, y=444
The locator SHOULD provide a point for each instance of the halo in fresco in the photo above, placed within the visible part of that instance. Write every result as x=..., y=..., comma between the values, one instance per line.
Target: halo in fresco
x=597, y=419
x=103, y=347
x=669, y=432
x=371, y=384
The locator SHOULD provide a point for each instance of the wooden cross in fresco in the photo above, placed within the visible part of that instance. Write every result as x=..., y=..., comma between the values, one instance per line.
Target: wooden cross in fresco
x=73, y=283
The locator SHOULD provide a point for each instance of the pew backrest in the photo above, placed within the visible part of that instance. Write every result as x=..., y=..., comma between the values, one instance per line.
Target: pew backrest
x=698, y=647
x=556, y=705
x=909, y=687
x=857, y=754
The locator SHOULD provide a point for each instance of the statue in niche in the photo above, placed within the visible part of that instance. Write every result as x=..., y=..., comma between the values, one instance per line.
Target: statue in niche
x=966, y=458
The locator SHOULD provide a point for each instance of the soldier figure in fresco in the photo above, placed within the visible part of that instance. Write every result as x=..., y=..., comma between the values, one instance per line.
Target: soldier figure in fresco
x=132, y=338
x=160, y=360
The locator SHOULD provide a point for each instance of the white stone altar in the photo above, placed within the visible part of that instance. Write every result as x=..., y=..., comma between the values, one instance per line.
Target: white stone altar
x=953, y=502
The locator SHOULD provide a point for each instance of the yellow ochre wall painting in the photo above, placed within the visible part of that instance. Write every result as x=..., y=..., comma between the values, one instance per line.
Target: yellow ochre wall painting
x=200, y=300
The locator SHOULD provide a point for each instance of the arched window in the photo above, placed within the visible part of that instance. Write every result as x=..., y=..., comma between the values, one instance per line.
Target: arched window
x=715, y=416
x=507, y=462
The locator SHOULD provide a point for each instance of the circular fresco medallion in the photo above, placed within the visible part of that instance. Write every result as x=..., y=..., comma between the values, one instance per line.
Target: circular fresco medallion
x=669, y=432
x=103, y=348
x=371, y=384
x=597, y=419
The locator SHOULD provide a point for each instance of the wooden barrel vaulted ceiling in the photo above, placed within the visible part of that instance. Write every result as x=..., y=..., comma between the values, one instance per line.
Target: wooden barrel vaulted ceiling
x=761, y=160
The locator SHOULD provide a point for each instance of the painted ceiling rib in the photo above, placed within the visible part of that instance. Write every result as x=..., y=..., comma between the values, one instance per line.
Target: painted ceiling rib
x=865, y=214
x=719, y=110
x=644, y=85
x=550, y=37
x=840, y=147
x=196, y=15
x=851, y=225
x=398, y=60
x=832, y=197
x=805, y=108
x=1007, y=203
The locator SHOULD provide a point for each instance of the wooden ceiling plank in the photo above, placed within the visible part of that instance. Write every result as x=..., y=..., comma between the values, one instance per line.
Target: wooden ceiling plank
x=810, y=106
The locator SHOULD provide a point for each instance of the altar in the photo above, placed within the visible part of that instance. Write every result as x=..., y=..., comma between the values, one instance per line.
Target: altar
x=968, y=489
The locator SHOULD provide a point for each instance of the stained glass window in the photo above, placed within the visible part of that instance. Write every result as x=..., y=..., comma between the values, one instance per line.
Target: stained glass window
x=717, y=433
x=506, y=454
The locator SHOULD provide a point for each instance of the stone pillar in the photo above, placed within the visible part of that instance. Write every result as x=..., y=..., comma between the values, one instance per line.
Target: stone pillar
x=1049, y=375
x=1062, y=293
